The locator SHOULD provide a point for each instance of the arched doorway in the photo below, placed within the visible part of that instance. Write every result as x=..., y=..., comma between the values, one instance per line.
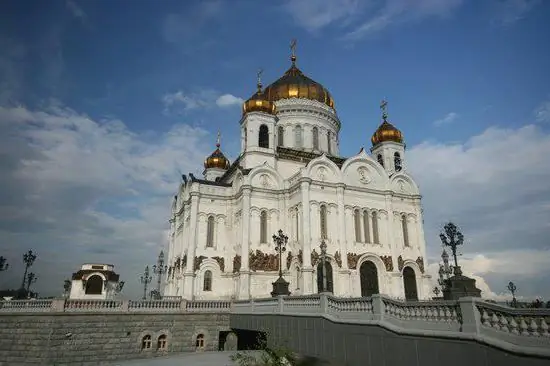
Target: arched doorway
x=369, y=279
x=328, y=269
x=409, y=282
x=94, y=285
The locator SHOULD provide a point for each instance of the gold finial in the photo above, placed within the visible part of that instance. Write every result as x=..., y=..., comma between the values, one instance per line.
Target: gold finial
x=293, y=51
x=218, y=144
x=259, y=75
x=384, y=108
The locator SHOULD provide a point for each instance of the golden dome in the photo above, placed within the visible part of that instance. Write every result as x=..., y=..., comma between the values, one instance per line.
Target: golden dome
x=386, y=131
x=294, y=84
x=217, y=159
x=258, y=102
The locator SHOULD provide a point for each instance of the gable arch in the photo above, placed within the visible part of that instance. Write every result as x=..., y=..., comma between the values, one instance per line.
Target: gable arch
x=264, y=176
x=362, y=170
x=369, y=256
x=414, y=266
x=324, y=169
x=403, y=183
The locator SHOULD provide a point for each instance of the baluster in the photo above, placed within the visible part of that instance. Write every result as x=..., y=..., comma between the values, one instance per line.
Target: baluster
x=544, y=328
x=513, y=326
x=494, y=321
x=524, y=327
x=533, y=328
x=504, y=323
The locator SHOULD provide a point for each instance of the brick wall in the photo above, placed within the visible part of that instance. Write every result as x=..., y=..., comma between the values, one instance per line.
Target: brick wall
x=61, y=338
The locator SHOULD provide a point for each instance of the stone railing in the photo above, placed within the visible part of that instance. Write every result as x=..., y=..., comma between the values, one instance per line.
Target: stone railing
x=99, y=306
x=516, y=330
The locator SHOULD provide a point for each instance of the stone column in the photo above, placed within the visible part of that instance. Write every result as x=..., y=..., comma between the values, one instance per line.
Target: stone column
x=342, y=227
x=307, y=270
x=189, y=275
x=244, y=277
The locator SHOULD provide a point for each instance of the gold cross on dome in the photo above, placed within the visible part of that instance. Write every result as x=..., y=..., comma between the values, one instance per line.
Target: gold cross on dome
x=293, y=48
x=259, y=75
x=218, y=139
x=384, y=108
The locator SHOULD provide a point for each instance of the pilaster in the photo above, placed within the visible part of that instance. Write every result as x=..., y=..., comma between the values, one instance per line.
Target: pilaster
x=342, y=226
x=307, y=270
x=244, y=275
x=189, y=275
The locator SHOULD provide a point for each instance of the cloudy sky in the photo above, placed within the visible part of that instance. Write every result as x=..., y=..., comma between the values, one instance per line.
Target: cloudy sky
x=104, y=103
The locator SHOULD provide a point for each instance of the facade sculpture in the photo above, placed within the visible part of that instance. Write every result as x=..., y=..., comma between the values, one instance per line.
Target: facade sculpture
x=290, y=175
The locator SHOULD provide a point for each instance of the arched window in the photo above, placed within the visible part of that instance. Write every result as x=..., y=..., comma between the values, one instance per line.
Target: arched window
x=298, y=136
x=207, y=284
x=146, y=342
x=357, y=222
x=263, y=136
x=329, y=147
x=375, y=238
x=199, y=343
x=380, y=159
x=161, y=342
x=323, y=220
x=397, y=161
x=281, y=136
x=263, y=227
x=366, y=226
x=315, y=138
x=210, y=232
x=405, y=230
x=94, y=285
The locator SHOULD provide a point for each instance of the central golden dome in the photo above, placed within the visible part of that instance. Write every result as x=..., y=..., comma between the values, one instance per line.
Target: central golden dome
x=294, y=84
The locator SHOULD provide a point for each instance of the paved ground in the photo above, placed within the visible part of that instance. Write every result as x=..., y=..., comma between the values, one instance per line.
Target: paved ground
x=184, y=359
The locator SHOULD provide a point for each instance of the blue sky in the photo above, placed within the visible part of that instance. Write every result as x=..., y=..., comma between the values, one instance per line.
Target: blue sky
x=103, y=103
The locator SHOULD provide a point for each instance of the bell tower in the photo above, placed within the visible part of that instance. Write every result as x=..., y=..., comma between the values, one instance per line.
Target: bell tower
x=388, y=147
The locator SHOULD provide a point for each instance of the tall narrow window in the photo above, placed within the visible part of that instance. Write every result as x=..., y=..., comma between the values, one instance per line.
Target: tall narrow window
x=207, y=285
x=298, y=136
x=405, y=230
x=245, y=137
x=357, y=222
x=380, y=159
x=375, y=238
x=297, y=221
x=280, y=136
x=329, y=147
x=366, y=226
x=315, y=138
x=323, y=220
x=210, y=232
x=263, y=136
x=397, y=161
x=263, y=227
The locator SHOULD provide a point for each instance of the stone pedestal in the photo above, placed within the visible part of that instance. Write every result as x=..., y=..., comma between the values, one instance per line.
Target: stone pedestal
x=460, y=286
x=280, y=287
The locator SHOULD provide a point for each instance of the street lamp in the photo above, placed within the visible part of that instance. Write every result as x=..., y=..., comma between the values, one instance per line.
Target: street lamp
x=159, y=269
x=452, y=238
x=145, y=280
x=3, y=265
x=280, y=286
x=323, y=248
x=512, y=288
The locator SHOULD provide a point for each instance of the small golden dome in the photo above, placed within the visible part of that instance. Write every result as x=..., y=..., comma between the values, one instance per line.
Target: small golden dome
x=217, y=159
x=294, y=84
x=386, y=131
x=259, y=102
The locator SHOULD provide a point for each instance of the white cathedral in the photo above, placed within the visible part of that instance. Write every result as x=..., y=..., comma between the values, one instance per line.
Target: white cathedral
x=289, y=175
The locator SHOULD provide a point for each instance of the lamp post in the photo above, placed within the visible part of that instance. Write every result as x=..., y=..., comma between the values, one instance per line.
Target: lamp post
x=452, y=238
x=3, y=265
x=280, y=286
x=159, y=269
x=28, y=259
x=323, y=248
x=512, y=288
x=145, y=280
x=436, y=291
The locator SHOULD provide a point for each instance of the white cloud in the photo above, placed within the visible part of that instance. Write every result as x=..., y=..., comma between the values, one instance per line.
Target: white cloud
x=228, y=100
x=75, y=9
x=507, y=12
x=180, y=101
x=361, y=18
x=494, y=186
x=76, y=190
x=542, y=112
x=448, y=119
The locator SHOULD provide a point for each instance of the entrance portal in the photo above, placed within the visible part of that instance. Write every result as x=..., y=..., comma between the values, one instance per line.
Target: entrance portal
x=369, y=279
x=409, y=282
x=328, y=269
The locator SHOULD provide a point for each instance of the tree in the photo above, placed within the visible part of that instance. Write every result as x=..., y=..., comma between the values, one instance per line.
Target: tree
x=67, y=284
x=31, y=278
x=3, y=265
